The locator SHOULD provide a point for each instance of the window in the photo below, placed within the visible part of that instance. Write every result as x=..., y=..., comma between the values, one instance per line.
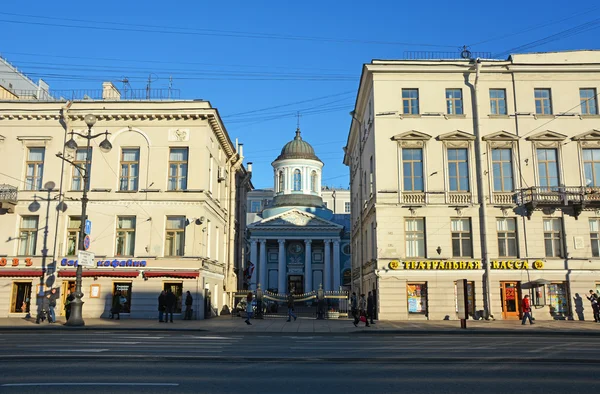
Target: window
x=281, y=180
x=175, y=237
x=461, y=238
x=28, y=235
x=373, y=241
x=412, y=169
x=543, y=102
x=80, y=162
x=371, y=169
x=547, y=168
x=347, y=207
x=177, y=289
x=410, y=101
x=73, y=235
x=35, y=168
x=589, y=102
x=125, y=236
x=313, y=181
x=130, y=168
x=591, y=166
x=595, y=236
x=498, y=101
x=557, y=299
x=123, y=290
x=415, y=237
x=502, y=167
x=458, y=170
x=507, y=237
x=178, y=168
x=417, y=297
x=297, y=181
x=454, y=102
x=553, y=237
x=255, y=206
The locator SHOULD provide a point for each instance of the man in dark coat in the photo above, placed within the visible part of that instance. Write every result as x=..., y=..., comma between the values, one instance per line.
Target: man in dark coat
x=370, y=307
x=188, y=306
x=170, y=302
x=70, y=298
x=162, y=304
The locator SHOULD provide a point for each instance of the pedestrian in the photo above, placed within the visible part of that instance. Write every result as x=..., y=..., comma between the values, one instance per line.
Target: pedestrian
x=162, y=305
x=68, y=302
x=526, y=306
x=44, y=311
x=248, y=308
x=170, y=301
x=188, y=306
x=52, y=304
x=362, y=307
x=594, y=299
x=290, y=305
x=370, y=308
x=116, y=306
x=354, y=308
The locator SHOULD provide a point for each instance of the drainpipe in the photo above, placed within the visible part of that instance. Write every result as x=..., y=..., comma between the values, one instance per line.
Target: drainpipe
x=360, y=196
x=479, y=164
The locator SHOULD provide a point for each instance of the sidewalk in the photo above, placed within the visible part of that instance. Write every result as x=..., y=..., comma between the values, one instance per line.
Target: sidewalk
x=228, y=324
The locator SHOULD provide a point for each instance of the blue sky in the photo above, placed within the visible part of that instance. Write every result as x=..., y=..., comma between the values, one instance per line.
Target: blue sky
x=260, y=62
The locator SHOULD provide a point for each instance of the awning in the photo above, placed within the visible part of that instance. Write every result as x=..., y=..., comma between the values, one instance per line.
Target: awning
x=98, y=273
x=172, y=274
x=38, y=272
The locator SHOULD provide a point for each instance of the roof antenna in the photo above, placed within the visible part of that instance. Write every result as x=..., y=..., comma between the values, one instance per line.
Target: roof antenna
x=298, y=126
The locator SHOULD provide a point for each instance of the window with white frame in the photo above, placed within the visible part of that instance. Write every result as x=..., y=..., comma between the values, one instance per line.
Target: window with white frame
x=507, y=237
x=178, y=168
x=414, y=234
x=458, y=169
x=502, y=169
x=595, y=236
x=591, y=166
x=347, y=207
x=454, y=101
x=34, y=168
x=297, y=181
x=543, y=101
x=125, y=236
x=280, y=182
x=553, y=237
x=255, y=206
x=73, y=230
x=79, y=164
x=498, y=101
x=130, y=169
x=589, y=101
x=410, y=101
x=313, y=181
x=175, y=236
x=461, y=237
x=547, y=168
x=412, y=169
x=28, y=235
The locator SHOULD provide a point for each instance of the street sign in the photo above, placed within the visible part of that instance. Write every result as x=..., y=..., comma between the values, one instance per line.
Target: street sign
x=87, y=242
x=88, y=227
x=85, y=259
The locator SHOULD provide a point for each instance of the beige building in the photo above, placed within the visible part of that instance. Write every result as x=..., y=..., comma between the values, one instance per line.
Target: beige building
x=166, y=204
x=485, y=170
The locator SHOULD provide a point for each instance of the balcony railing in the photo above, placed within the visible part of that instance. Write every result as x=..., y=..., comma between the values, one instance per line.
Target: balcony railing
x=575, y=197
x=436, y=198
x=8, y=197
x=503, y=198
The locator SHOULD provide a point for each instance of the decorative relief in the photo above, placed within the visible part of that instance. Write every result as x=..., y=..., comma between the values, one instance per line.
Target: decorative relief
x=179, y=135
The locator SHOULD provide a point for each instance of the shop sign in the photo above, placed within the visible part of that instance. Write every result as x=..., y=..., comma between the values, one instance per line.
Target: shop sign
x=516, y=265
x=15, y=262
x=107, y=263
x=436, y=265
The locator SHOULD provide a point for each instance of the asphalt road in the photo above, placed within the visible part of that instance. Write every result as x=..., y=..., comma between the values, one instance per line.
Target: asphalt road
x=169, y=362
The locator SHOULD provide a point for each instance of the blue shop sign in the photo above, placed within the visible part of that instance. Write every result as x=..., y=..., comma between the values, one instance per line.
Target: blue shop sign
x=107, y=263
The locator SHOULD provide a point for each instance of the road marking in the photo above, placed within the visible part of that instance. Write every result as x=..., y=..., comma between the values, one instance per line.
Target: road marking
x=218, y=338
x=111, y=343
x=75, y=350
x=87, y=384
x=140, y=337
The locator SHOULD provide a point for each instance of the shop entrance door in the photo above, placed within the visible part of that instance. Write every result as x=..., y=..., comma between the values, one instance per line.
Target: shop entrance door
x=509, y=293
x=21, y=297
x=296, y=284
x=67, y=288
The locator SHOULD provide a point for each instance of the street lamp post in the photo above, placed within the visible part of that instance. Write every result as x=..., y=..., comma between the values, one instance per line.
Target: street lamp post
x=76, y=318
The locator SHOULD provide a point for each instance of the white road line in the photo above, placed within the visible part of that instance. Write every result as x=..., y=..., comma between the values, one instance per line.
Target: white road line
x=117, y=336
x=110, y=343
x=86, y=384
x=217, y=338
x=75, y=350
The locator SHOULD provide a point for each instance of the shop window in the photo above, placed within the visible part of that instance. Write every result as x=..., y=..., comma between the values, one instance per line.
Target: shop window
x=470, y=298
x=557, y=299
x=123, y=289
x=177, y=289
x=21, y=297
x=417, y=297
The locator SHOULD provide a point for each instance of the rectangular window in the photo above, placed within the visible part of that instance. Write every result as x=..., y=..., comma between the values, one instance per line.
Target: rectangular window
x=461, y=238
x=371, y=170
x=178, y=168
x=130, y=169
x=507, y=237
x=591, y=166
x=595, y=236
x=175, y=237
x=417, y=297
x=80, y=163
x=255, y=206
x=415, y=237
x=125, y=236
x=410, y=101
x=177, y=289
x=28, y=235
x=589, y=102
x=73, y=235
x=498, y=101
x=412, y=169
x=502, y=168
x=35, y=168
x=458, y=170
x=547, y=168
x=454, y=101
x=123, y=291
x=553, y=237
x=543, y=102
x=347, y=207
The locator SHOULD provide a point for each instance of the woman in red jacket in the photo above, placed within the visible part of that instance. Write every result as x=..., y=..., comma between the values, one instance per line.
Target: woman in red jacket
x=526, y=306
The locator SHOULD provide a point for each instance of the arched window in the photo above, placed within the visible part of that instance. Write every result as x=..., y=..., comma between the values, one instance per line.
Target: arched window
x=280, y=188
x=297, y=181
x=313, y=181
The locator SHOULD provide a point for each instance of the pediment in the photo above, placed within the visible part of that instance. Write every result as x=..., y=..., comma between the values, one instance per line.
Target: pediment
x=411, y=135
x=456, y=135
x=547, y=135
x=295, y=218
x=501, y=135
x=592, y=135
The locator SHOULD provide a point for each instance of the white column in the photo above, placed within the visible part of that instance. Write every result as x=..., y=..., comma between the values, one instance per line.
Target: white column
x=262, y=271
x=253, y=257
x=327, y=284
x=282, y=274
x=336, y=265
x=308, y=266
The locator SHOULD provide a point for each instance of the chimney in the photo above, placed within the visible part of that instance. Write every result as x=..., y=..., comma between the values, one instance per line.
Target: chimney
x=249, y=166
x=110, y=91
x=241, y=150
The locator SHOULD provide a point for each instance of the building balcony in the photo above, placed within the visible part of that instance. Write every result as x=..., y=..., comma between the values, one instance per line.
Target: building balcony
x=575, y=198
x=8, y=198
x=437, y=198
x=503, y=198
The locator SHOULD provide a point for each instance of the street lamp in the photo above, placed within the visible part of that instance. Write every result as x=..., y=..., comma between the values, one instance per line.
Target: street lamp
x=76, y=318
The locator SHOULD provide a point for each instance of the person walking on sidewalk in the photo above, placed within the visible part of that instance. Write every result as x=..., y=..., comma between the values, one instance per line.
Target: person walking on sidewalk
x=594, y=299
x=248, y=308
x=68, y=301
x=170, y=301
x=290, y=305
x=52, y=304
x=162, y=305
x=116, y=306
x=362, y=307
x=370, y=308
x=188, y=306
x=526, y=306
x=354, y=308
